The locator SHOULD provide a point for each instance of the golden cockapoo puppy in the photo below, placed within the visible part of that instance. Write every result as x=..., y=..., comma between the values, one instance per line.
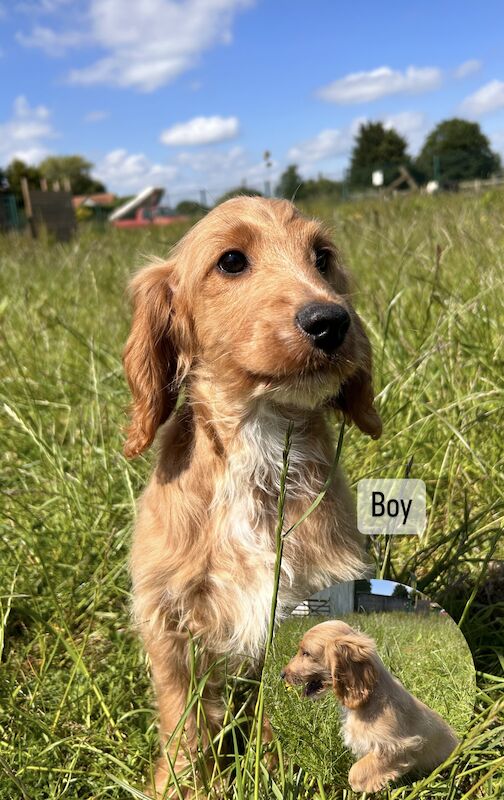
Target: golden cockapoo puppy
x=391, y=731
x=252, y=316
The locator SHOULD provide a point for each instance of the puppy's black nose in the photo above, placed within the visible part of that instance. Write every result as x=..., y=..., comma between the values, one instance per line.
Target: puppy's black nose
x=325, y=323
x=282, y=674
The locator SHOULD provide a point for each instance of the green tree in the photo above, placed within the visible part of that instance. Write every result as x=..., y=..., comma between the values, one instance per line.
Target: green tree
x=289, y=183
x=377, y=148
x=190, y=208
x=238, y=191
x=400, y=591
x=313, y=188
x=457, y=150
x=362, y=586
x=76, y=169
x=16, y=170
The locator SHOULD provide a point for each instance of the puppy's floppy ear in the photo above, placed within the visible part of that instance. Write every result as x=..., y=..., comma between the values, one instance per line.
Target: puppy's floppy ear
x=356, y=396
x=353, y=669
x=150, y=357
x=356, y=401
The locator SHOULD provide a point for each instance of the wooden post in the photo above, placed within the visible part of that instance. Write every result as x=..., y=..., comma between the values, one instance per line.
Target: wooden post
x=28, y=207
x=43, y=184
x=67, y=185
x=56, y=186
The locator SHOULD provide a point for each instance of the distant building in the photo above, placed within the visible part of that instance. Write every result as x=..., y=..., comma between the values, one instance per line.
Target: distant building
x=331, y=602
x=380, y=602
x=93, y=200
x=345, y=598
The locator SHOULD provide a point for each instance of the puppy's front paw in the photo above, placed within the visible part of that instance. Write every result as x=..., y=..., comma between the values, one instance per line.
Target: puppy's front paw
x=366, y=777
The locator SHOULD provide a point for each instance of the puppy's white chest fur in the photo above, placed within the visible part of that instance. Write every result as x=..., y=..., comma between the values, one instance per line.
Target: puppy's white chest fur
x=244, y=509
x=358, y=737
x=255, y=460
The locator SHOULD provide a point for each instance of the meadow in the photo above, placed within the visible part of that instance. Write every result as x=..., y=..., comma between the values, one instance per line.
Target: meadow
x=77, y=718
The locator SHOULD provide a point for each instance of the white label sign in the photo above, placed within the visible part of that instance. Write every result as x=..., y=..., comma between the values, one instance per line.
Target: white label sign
x=391, y=506
x=377, y=178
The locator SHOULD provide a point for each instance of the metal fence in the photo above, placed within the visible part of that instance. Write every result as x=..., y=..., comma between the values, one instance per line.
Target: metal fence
x=377, y=603
x=10, y=218
x=310, y=608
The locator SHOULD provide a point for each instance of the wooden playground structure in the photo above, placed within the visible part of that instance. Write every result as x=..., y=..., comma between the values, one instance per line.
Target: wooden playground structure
x=51, y=209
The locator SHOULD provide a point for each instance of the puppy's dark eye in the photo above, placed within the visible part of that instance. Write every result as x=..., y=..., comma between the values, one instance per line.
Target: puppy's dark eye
x=232, y=262
x=322, y=260
x=305, y=653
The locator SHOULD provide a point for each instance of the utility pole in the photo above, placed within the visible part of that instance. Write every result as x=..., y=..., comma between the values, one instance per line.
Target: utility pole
x=267, y=182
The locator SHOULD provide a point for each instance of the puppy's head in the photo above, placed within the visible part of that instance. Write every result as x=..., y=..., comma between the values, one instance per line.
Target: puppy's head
x=256, y=298
x=334, y=655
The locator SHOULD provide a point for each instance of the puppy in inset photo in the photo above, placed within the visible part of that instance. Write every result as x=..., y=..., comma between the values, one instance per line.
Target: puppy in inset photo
x=391, y=731
x=252, y=317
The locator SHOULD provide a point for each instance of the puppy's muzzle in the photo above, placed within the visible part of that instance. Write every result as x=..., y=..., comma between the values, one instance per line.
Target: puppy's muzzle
x=289, y=677
x=326, y=324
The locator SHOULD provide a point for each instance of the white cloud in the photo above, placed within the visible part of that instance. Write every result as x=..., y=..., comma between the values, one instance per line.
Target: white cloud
x=467, y=68
x=333, y=143
x=337, y=142
x=130, y=172
x=410, y=124
x=52, y=43
x=127, y=173
x=489, y=98
x=156, y=41
x=96, y=116
x=497, y=142
x=215, y=164
x=362, y=87
x=23, y=135
x=201, y=130
x=42, y=6
x=218, y=171
x=326, y=144
x=146, y=44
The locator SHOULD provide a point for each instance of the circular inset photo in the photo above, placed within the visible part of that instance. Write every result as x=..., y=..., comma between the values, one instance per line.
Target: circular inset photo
x=369, y=683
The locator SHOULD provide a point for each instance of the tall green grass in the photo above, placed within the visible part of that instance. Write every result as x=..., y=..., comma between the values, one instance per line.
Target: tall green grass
x=76, y=709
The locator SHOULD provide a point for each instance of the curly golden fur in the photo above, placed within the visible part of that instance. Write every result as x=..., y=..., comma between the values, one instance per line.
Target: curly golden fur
x=390, y=730
x=203, y=550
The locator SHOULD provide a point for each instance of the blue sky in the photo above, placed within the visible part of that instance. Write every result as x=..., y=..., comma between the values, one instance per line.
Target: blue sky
x=383, y=587
x=188, y=94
